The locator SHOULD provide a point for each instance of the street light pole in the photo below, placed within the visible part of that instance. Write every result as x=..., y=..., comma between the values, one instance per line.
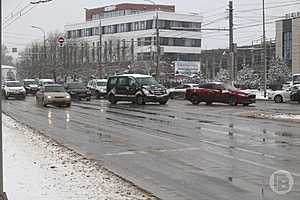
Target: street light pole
x=45, y=55
x=265, y=50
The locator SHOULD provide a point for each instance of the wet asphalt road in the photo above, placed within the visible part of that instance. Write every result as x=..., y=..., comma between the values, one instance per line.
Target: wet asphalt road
x=177, y=151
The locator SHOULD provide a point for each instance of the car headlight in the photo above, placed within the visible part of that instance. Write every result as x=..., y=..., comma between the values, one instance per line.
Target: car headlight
x=146, y=92
x=72, y=92
x=68, y=97
x=88, y=92
x=49, y=97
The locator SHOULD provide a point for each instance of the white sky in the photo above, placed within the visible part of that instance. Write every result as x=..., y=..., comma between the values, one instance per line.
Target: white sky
x=54, y=15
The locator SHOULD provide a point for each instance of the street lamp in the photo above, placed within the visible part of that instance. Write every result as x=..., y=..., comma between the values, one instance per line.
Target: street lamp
x=44, y=34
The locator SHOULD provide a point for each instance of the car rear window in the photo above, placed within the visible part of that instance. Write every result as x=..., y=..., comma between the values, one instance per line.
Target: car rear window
x=13, y=84
x=54, y=88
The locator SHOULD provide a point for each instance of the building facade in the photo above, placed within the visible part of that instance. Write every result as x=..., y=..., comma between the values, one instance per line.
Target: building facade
x=250, y=55
x=288, y=41
x=129, y=38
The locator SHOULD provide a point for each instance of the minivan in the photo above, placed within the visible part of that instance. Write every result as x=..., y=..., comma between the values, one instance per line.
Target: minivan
x=136, y=88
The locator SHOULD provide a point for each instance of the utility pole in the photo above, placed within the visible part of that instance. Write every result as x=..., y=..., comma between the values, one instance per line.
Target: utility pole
x=1, y=153
x=265, y=50
x=157, y=72
x=231, y=45
x=100, y=48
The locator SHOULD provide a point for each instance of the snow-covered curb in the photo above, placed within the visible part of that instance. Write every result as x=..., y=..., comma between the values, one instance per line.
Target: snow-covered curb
x=279, y=117
x=36, y=167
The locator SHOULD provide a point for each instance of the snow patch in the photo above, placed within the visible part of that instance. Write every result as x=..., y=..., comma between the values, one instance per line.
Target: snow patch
x=35, y=167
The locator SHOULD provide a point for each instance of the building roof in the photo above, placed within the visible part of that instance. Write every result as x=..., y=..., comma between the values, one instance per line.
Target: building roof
x=128, y=6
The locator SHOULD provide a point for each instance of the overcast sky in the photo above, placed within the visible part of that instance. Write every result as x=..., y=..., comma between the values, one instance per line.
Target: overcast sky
x=54, y=15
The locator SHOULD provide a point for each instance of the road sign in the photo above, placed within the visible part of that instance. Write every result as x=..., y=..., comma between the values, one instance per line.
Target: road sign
x=61, y=41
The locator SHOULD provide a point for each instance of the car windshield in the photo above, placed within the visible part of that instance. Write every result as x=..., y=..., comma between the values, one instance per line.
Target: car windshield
x=48, y=82
x=101, y=83
x=54, y=88
x=147, y=81
x=29, y=83
x=76, y=86
x=13, y=84
x=230, y=87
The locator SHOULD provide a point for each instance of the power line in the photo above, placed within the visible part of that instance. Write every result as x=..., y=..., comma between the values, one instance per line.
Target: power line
x=21, y=15
x=271, y=7
x=18, y=5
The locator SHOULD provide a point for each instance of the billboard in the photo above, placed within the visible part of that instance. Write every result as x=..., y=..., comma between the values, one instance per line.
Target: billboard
x=187, y=68
x=9, y=73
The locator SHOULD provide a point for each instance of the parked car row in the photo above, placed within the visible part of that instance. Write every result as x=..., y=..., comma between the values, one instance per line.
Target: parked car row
x=138, y=89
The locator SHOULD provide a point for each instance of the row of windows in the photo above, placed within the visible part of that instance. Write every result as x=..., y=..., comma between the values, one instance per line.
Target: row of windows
x=168, y=41
x=116, y=13
x=133, y=26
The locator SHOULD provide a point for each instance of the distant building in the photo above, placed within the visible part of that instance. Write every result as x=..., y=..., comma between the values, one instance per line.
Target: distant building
x=251, y=55
x=288, y=41
x=129, y=36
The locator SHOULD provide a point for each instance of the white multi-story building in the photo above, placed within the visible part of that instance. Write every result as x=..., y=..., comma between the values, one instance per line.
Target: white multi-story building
x=130, y=37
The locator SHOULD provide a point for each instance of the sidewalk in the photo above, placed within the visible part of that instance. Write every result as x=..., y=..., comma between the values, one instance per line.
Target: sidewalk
x=36, y=168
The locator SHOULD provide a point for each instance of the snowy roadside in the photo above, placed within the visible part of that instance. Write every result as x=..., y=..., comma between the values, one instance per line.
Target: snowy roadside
x=279, y=117
x=37, y=168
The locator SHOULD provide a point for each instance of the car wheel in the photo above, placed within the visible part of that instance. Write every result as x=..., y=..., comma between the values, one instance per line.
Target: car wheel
x=232, y=101
x=98, y=96
x=209, y=103
x=112, y=99
x=171, y=95
x=195, y=99
x=278, y=99
x=44, y=103
x=163, y=102
x=68, y=105
x=88, y=99
x=246, y=104
x=140, y=100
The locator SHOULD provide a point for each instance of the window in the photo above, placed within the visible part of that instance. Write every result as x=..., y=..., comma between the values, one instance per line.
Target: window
x=149, y=24
x=69, y=34
x=112, y=81
x=123, y=81
x=132, y=82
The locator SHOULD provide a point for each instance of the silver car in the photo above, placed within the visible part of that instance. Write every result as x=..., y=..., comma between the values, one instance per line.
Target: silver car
x=53, y=94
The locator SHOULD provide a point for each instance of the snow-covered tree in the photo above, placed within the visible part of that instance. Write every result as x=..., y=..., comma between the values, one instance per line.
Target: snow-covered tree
x=247, y=78
x=223, y=75
x=278, y=74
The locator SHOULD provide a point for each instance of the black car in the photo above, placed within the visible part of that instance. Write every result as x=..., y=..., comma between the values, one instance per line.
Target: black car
x=136, y=88
x=295, y=94
x=78, y=91
x=31, y=86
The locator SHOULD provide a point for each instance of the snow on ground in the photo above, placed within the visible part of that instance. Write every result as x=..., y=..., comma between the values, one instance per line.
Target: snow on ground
x=279, y=116
x=284, y=116
x=37, y=168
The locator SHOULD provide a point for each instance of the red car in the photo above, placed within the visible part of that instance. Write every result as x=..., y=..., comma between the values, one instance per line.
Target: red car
x=220, y=93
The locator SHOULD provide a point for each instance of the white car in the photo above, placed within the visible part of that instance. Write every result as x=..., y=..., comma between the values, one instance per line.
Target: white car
x=98, y=87
x=179, y=91
x=14, y=89
x=280, y=96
